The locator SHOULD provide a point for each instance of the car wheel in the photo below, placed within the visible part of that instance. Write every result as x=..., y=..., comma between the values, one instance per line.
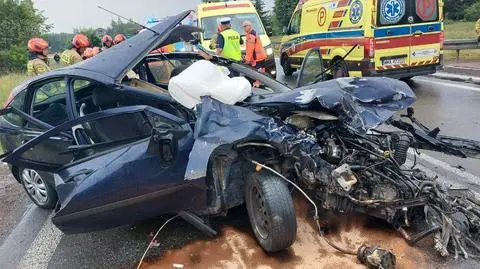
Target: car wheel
x=340, y=70
x=271, y=211
x=287, y=69
x=38, y=186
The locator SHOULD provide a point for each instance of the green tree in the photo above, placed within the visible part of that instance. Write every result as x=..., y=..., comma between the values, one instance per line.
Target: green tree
x=263, y=14
x=472, y=13
x=456, y=9
x=19, y=21
x=59, y=41
x=120, y=27
x=283, y=11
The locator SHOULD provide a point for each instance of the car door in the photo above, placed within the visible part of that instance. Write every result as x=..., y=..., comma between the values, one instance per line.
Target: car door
x=134, y=169
x=312, y=69
x=426, y=32
x=36, y=109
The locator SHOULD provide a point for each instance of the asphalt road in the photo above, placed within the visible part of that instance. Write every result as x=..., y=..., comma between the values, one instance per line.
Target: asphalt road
x=35, y=243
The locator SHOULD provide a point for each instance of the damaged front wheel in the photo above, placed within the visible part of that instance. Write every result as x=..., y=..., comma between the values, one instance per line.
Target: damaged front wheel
x=271, y=211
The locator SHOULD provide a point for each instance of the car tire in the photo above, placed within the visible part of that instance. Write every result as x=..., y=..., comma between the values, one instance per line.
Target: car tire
x=39, y=187
x=271, y=211
x=287, y=69
x=340, y=70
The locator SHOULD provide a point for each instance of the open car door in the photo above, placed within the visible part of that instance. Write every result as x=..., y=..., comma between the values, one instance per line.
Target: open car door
x=312, y=70
x=132, y=169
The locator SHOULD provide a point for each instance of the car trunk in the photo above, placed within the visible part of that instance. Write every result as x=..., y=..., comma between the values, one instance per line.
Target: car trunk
x=408, y=33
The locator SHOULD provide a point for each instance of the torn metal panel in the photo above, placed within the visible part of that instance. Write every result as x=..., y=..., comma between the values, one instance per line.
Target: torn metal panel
x=220, y=124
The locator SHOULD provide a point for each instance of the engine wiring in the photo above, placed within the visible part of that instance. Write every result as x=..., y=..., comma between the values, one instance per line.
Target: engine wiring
x=153, y=240
x=316, y=217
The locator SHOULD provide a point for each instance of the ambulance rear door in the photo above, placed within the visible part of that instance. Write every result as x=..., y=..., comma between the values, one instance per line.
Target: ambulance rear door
x=426, y=32
x=392, y=35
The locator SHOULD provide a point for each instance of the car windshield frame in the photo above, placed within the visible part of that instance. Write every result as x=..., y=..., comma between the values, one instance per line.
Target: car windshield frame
x=275, y=85
x=236, y=24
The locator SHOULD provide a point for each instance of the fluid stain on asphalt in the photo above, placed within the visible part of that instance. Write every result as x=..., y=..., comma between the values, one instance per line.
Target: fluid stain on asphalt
x=236, y=246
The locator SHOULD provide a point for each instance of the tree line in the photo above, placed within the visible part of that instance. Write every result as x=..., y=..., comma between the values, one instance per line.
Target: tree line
x=20, y=21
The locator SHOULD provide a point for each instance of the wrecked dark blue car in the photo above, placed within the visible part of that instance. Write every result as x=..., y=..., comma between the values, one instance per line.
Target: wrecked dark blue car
x=105, y=147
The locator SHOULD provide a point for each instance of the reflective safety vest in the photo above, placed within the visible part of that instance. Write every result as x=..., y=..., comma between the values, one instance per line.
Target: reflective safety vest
x=254, y=49
x=70, y=57
x=37, y=67
x=231, y=45
x=477, y=27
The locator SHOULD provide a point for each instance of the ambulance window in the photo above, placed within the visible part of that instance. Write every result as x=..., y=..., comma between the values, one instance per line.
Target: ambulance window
x=425, y=10
x=294, y=27
x=393, y=12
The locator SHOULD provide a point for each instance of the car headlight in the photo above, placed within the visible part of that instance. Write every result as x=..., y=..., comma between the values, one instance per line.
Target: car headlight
x=269, y=51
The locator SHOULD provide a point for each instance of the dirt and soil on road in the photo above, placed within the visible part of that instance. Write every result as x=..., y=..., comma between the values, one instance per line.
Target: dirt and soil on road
x=13, y=202
x=236, y=247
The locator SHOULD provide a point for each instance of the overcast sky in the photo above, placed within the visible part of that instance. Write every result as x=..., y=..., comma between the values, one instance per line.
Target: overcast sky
x=68, y=14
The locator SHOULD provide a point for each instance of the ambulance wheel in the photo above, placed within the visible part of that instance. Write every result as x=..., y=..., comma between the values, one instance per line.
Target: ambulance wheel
x=287, y=69
x=271, y=211
x=340, y=70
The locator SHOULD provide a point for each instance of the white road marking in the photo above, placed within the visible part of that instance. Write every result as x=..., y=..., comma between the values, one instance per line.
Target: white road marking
x=43, y=247
x=448, y=84
x=445, y=166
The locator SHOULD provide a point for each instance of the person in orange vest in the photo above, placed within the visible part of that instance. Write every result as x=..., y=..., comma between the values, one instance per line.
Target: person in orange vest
x=255, y=55
x=119, y=39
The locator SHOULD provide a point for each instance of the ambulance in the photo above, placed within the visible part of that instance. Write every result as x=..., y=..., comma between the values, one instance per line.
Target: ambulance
x=393, y=38
x=210, y=14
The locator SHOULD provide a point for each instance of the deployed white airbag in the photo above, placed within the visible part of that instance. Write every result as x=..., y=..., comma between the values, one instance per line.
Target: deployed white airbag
x=204, y=78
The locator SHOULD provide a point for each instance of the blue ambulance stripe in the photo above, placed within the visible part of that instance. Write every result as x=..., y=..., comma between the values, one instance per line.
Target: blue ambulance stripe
x=406, y=30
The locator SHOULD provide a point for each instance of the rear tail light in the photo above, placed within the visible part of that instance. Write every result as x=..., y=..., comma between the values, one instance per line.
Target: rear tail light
x=442, y=39
x=369, y=47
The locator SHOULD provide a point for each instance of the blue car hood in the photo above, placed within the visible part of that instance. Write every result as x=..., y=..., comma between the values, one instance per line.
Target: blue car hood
x=363, y=103
x=359, y=103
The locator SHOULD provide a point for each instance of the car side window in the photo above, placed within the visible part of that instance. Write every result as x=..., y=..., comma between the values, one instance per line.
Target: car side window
x=163, y=70
x=49, y=102
x=18, y=103
x=294, y=27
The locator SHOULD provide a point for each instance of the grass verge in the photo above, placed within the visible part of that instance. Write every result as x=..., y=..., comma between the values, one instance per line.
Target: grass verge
x=8, y=82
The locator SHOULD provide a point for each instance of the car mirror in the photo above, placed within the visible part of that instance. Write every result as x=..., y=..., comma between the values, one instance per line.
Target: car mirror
x=285, y=30
x=312, y=69
x=164, y=144
x=5, y=111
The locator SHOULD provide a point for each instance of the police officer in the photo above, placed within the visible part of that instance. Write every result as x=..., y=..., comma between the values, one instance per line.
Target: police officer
x=229, y=41
x=107, y=41
x=74, y=55
x=38, y=60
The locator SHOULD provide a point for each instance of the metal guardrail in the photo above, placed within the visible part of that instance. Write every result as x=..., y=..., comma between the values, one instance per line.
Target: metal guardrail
x=461, y=44
x=457, y=45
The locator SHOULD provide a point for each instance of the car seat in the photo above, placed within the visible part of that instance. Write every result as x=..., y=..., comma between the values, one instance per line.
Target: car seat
x=54, y=115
